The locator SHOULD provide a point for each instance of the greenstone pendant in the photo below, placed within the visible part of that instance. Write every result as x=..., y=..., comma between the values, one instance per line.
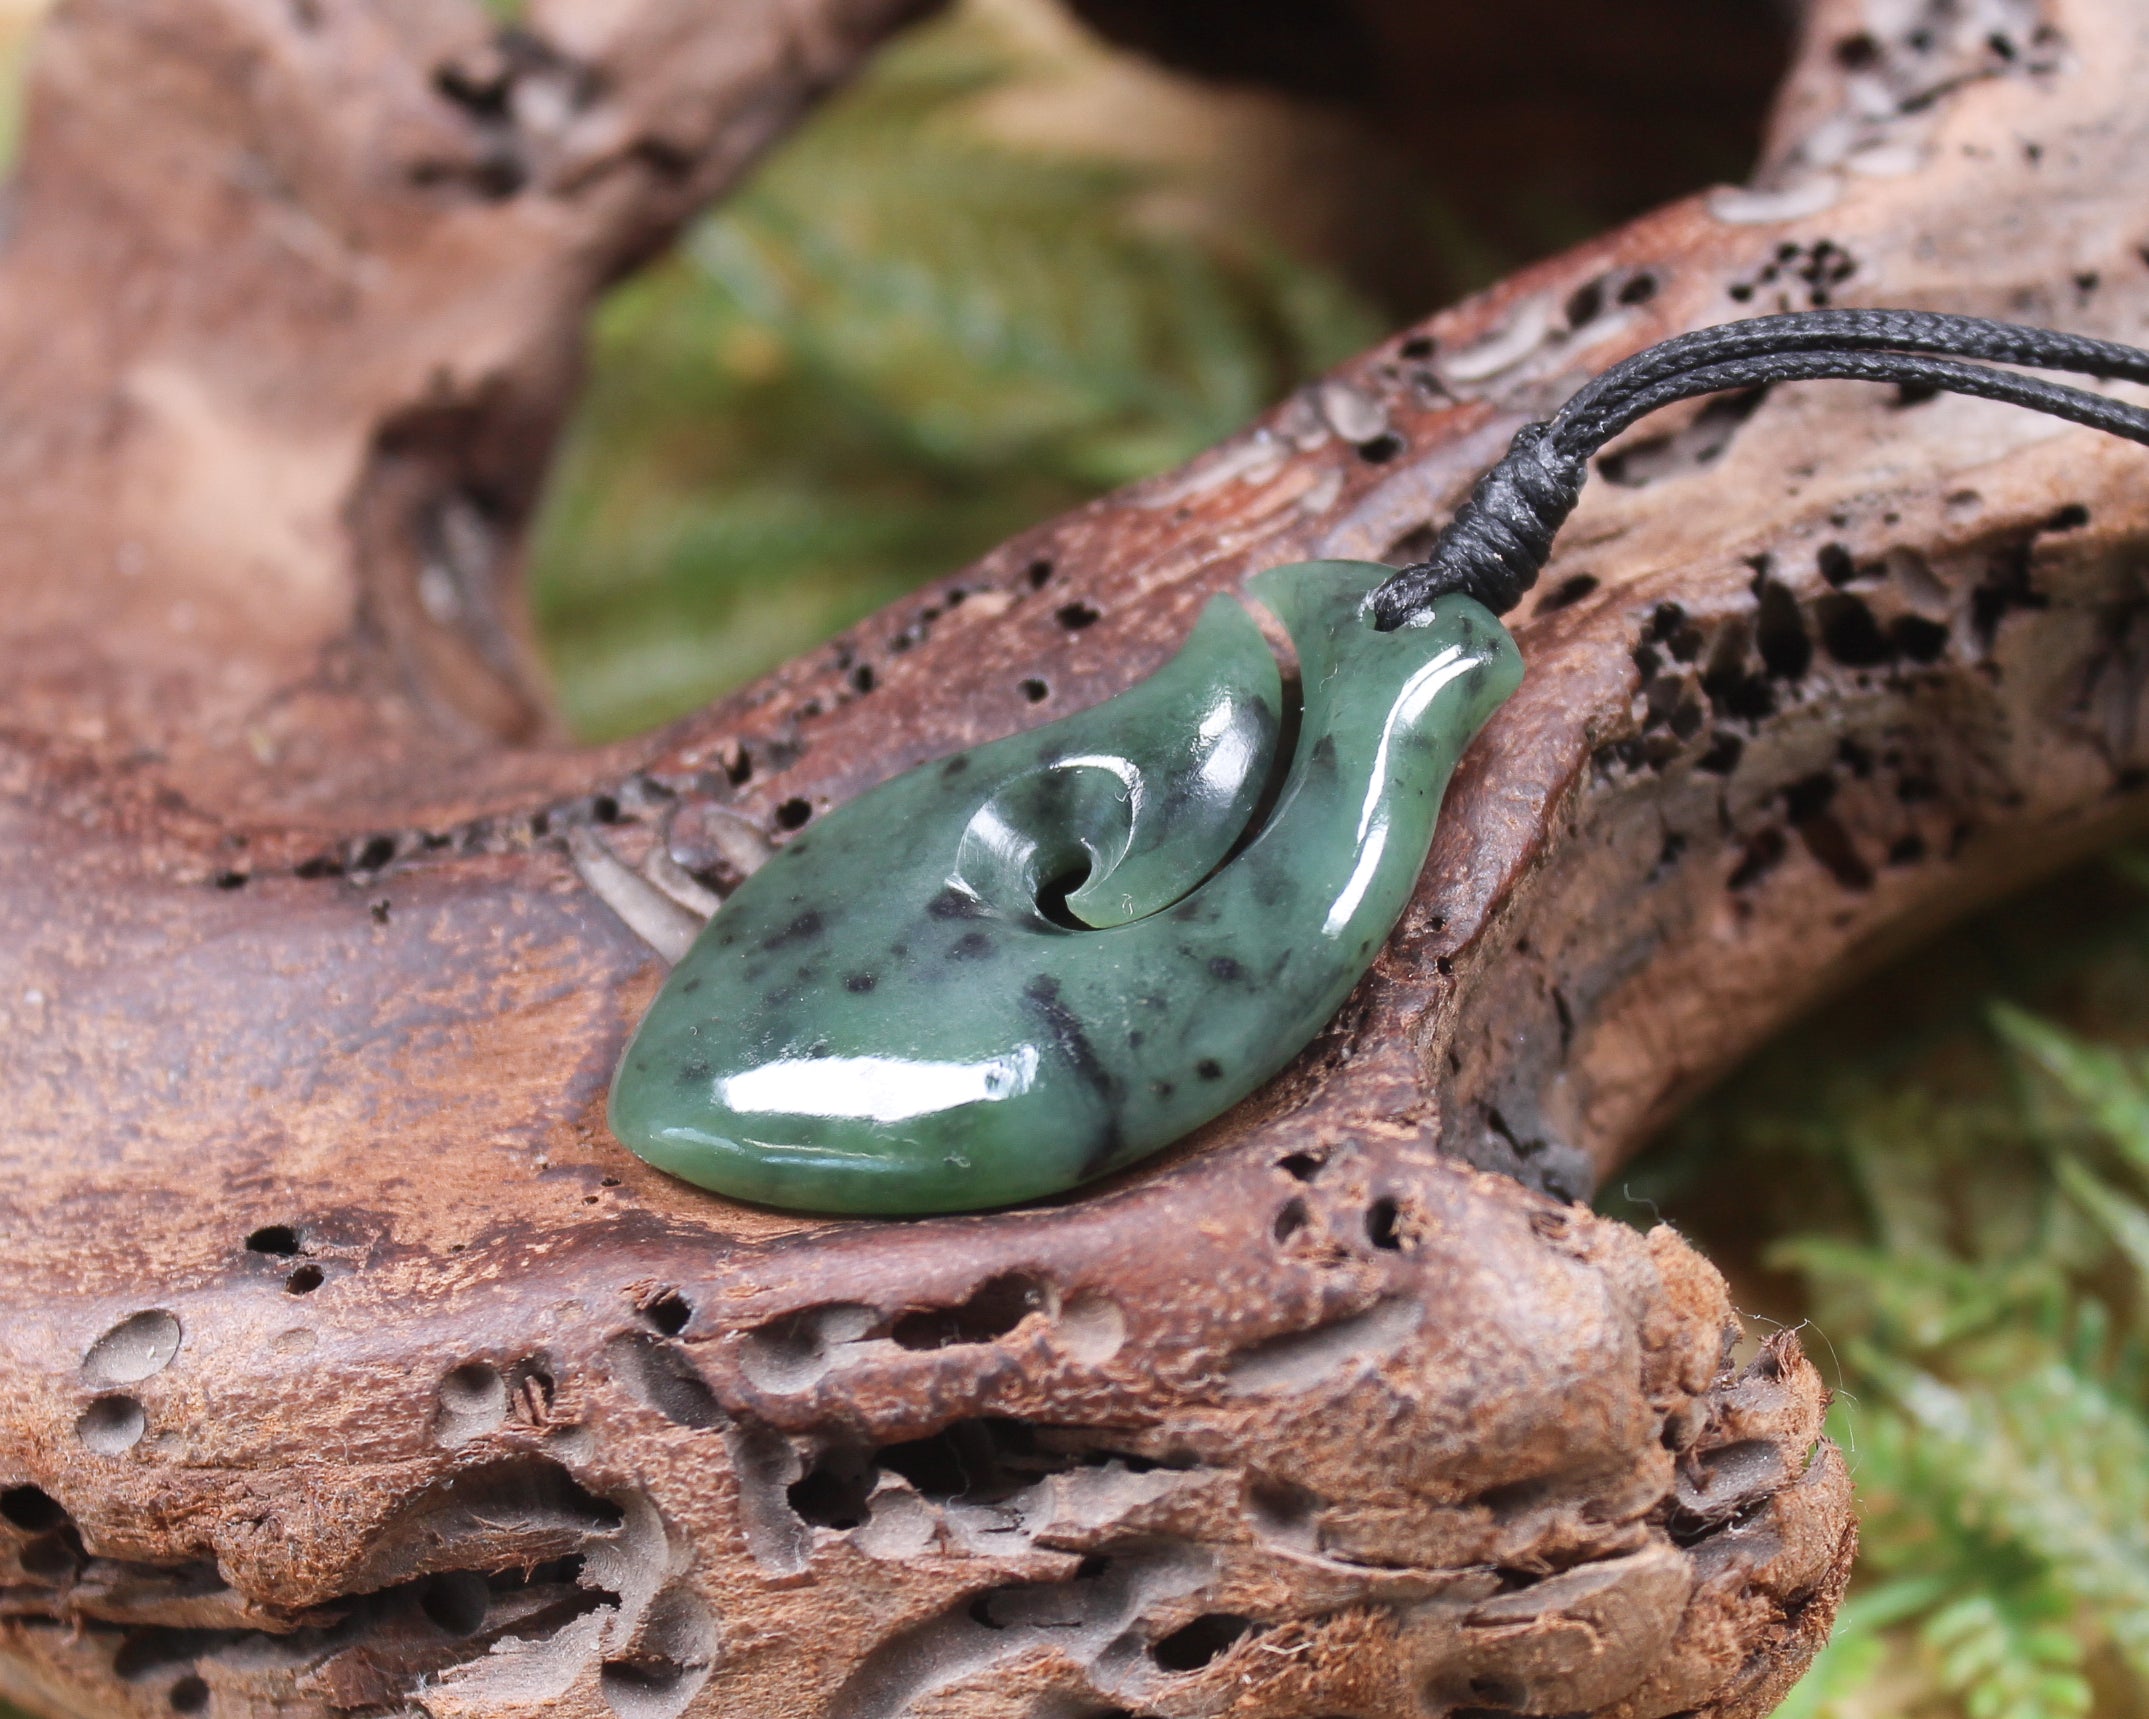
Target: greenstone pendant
x=1008, y=972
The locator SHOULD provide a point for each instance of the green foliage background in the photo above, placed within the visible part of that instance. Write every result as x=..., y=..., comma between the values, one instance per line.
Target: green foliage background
x=902, y=342
x=1945, y=1183
x=909, y=338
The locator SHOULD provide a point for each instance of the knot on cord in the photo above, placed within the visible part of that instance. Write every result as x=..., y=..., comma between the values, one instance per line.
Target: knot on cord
x=1499, y=538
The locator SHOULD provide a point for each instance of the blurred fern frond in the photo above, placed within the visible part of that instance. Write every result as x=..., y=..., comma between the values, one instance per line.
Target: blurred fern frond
x=1968, y=1232
x=904, y=341
x=1946, y=1178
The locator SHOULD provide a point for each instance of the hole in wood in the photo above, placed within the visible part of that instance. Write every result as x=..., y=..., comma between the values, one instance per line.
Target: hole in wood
x=31, y=1508
x=456, y=1601
x=669, y=1662
x=1092, y=1328
x=1194, y=1645
x=133, y=1349
x=992, y=1310
x=111, y=1425
x=789, y=1353
x=664, y=1379
x=667, y=1313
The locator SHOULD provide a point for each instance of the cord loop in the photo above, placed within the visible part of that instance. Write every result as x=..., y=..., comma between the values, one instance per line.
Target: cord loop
x=1498, y=540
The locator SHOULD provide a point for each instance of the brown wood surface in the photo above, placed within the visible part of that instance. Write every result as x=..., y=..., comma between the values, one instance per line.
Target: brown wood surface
x=348, y=1366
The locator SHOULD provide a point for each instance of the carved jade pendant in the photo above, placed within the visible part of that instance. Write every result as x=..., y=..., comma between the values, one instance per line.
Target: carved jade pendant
x=1023, y=966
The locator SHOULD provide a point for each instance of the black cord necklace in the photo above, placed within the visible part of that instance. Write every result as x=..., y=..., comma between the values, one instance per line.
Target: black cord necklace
x=1023, y=966
x=1499, y=540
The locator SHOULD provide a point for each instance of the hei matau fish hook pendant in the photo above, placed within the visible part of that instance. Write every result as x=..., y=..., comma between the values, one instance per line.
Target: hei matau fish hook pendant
x=1013, y=970
x=1006, y=973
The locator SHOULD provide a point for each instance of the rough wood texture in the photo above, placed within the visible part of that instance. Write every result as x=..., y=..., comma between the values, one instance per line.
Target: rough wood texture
x=348, y=1366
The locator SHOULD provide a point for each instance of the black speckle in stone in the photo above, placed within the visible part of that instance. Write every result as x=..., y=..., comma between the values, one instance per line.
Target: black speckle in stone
x=899, y=949
x=690, y=987
x=953, y=903
x=1162, y=1088
x=955, y=766
x=692, y=1073
x=860, y=983
x=1189, y=910
x=1209, y=1068
x=970, y=946
x=803, y=929
x=1071, y=1039
x=1134, y=1039
x=1323, y=754
x=1226, y=969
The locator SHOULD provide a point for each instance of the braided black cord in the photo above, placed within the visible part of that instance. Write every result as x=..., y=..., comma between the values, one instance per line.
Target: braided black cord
x=1500, y=538
x=2055, y=398
x=1852, y=331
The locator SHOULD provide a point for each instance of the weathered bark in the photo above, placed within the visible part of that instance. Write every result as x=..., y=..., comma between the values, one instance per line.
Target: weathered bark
x=350, y=1366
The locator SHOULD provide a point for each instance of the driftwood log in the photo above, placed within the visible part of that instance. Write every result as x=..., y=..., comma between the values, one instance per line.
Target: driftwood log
x=348, y=1366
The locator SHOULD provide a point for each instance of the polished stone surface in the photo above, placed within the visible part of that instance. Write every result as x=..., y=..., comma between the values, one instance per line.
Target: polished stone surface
x=1022, y=966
